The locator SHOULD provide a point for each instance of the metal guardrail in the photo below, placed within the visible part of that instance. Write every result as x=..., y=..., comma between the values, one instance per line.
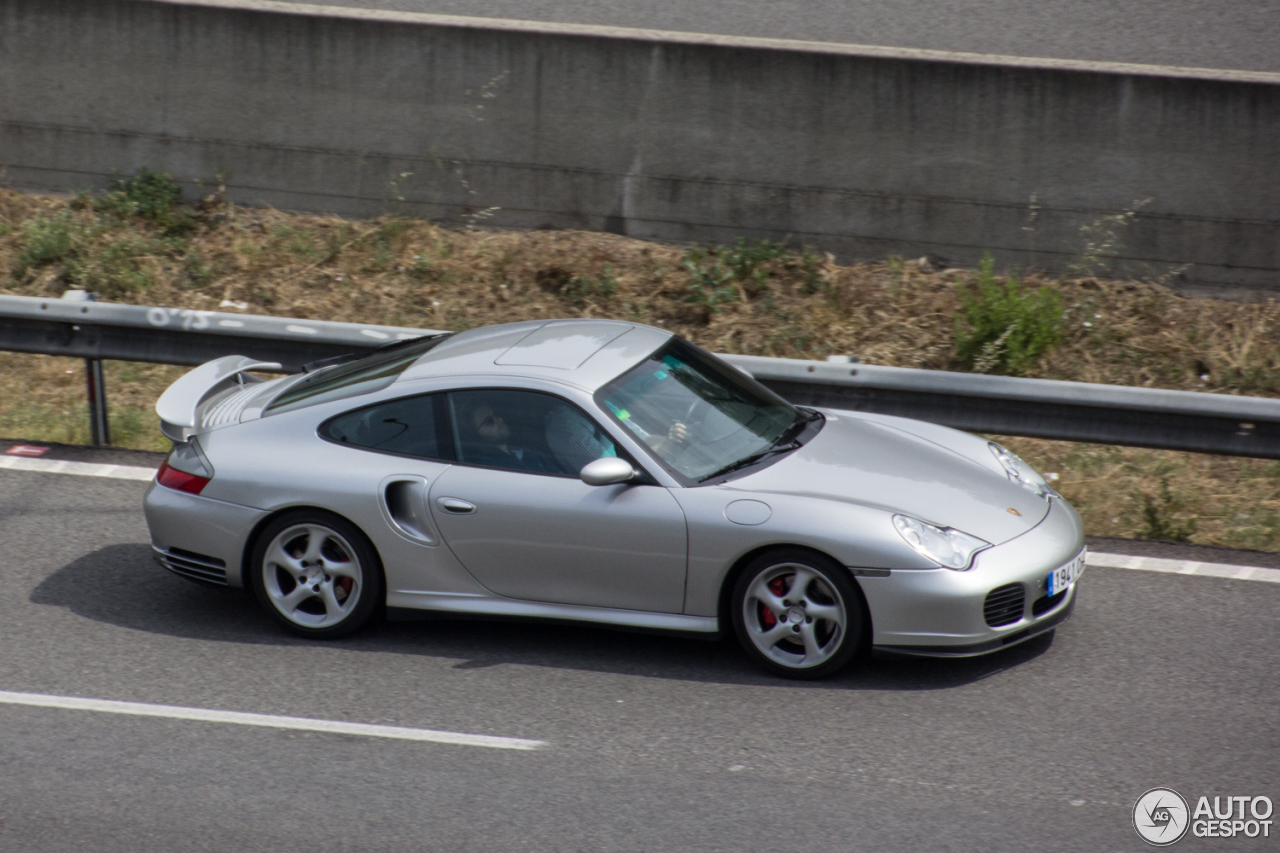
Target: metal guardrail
x=1042, y=408
x=77, y=326
x=82, y=328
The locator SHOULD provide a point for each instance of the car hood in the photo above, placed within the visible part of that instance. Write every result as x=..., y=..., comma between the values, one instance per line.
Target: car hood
x=874, y=464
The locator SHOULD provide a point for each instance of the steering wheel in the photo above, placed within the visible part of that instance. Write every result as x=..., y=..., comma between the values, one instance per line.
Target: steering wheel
x=688, y=413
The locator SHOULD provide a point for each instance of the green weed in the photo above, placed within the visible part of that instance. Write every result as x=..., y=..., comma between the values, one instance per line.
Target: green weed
x=134, y=427
x=295, y=241
x=130, y=426
x=747, y=259
x=47, y=240
x=336, y=240
x=196, y=271
x=423, y=269
x=45, y=423
x=1160, y=516
x=123, y=266
x=580, y=288
x=711, y=283
x=1004, y=329
x=149, y=195
x=383, y=255
x=383, y=243
x=811, y=268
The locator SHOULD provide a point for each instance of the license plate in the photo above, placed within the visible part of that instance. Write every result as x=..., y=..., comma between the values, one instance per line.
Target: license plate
x=1060, y=579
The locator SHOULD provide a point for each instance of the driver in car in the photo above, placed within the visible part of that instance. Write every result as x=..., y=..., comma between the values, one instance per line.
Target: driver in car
x=491, y=444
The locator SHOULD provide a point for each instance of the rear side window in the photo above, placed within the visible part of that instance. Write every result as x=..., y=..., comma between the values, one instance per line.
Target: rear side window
x=411, y=426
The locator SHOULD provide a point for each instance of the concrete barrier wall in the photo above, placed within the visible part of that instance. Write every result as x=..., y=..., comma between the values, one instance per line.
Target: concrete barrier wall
x=860, y=152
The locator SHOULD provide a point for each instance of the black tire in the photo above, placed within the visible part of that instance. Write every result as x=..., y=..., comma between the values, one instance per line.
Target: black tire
x=343, y=577
x=811, y=635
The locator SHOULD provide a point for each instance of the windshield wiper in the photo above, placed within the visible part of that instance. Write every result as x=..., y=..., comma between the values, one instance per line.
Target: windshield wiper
x=748, y=461
x=797, y=426
x=784, y=443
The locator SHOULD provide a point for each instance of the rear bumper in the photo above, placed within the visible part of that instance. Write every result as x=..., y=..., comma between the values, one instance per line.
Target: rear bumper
x=939, y=612
x=199, y=538
x=192, y=566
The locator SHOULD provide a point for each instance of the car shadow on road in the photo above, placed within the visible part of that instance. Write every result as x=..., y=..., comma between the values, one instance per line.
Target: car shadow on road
x=122, y=585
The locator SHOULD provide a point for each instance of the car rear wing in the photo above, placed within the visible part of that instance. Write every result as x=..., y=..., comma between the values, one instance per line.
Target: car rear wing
x=179, y=406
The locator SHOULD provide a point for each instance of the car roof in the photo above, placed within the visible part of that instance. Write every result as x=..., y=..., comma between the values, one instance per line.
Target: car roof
x=587, y=353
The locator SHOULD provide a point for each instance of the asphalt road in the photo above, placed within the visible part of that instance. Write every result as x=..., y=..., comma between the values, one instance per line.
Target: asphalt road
x=654, y=743
x=1192, y=33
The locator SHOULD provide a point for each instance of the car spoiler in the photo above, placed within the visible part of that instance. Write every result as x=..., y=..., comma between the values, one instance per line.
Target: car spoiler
x=179, y=404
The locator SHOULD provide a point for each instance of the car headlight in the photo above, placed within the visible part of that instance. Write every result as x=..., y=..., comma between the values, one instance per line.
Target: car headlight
x=1021, y=473
x=944, y=545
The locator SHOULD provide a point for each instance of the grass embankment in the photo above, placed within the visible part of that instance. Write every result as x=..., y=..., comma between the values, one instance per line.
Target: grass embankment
x=137, y=245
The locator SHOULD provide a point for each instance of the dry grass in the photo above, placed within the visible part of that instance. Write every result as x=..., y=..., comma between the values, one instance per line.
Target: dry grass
x=43, y=398
x=1160, y=494
x=408, y=272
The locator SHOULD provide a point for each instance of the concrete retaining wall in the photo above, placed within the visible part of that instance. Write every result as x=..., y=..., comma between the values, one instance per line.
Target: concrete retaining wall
x=860, y=152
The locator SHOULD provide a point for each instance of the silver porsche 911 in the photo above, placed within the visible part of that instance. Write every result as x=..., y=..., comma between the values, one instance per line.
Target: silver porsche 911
x=605, y=472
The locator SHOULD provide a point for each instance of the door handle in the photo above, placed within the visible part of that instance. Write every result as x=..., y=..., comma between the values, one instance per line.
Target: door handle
x=456, y=506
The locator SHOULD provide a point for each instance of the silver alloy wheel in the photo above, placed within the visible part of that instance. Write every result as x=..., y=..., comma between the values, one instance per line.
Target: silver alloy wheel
x=794, y=615
x=312, y=575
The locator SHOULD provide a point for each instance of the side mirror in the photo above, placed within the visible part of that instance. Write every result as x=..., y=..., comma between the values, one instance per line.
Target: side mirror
x=607, y=471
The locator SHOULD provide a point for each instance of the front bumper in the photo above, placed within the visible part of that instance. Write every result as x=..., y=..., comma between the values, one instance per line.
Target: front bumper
x=944, y=613
x=199, y=538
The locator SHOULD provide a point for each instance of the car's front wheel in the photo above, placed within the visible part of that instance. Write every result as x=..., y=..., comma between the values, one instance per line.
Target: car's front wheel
x=798, y=614
x=316, y=573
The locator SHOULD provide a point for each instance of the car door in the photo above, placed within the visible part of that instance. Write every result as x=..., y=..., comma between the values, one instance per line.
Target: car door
x=517, y=516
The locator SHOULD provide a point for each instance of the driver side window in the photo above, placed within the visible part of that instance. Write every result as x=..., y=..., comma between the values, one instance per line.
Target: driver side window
x=575, y=439
x=525, y=431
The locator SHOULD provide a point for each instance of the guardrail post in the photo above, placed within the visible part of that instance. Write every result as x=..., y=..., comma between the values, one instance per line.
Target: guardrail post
x=95, y=384
x=99, y=432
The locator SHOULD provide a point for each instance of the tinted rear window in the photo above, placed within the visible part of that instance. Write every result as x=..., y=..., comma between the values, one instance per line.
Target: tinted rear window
x=410, y=425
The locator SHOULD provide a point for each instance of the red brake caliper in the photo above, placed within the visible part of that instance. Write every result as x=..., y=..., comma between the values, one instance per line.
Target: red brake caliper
x=777, y=587
x=343, y=590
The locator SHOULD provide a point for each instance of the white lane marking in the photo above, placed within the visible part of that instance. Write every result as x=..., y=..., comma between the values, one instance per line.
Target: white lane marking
x=83, y=469
x=1182, y=567
x=176, y=712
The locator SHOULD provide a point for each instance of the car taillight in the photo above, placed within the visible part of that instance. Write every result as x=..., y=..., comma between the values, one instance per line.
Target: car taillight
x=180, y=480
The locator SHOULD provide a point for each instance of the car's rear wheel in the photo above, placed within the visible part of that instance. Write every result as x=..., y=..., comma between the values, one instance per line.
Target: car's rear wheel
x=797, y=614
x=316, y=573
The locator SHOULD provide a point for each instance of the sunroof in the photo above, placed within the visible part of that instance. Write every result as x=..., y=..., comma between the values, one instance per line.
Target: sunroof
x=562, y=345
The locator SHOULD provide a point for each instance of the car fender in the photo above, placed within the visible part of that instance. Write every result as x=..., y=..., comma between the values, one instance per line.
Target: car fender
x=856, y=536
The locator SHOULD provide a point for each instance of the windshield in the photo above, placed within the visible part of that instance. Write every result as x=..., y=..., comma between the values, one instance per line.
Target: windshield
x=697, y=414
x=370, y=372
